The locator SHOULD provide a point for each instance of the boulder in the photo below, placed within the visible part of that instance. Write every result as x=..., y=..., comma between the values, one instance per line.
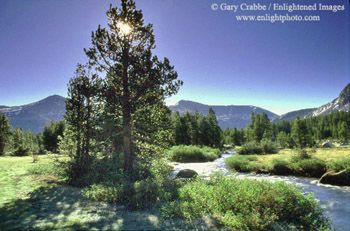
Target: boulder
x=327, y=144
x=186, y=173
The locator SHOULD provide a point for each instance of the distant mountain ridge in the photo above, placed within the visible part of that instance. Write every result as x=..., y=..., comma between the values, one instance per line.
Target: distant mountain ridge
x=341, y=103
x=228, y=116
x=34, y=116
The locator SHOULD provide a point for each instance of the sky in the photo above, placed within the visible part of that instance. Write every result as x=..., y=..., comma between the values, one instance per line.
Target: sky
x=277, y=66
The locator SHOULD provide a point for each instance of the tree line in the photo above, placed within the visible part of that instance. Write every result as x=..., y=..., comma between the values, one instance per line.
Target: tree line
x=190, y=129
x=299, y=133
x=21, y=143
x=196, y=129
x=187, y=129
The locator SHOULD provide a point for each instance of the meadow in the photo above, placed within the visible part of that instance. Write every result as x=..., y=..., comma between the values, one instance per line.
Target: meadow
x=310, y=162
x=36, y=196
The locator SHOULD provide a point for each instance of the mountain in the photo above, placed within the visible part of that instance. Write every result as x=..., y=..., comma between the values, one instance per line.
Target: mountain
x=34, y=116
x=227, y=116
x=303, y=113
x=341, y=103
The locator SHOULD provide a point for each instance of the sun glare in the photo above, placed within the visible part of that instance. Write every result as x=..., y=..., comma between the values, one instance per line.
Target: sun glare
x=125, y=29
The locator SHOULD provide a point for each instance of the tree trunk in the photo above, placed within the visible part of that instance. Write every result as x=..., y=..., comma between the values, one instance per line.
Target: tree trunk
x=127, y=144
x=88, y=128
x=128, y=186
x=127, y=139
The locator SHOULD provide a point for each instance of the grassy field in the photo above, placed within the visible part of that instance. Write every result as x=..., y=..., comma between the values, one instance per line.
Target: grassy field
x=326, y=154
x=34, y=198
x=266, y=163
x=34, y=201
x=15, y=181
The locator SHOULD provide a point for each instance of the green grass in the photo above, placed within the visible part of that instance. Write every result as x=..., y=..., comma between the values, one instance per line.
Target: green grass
x=243, y=204
x=339, y=165
x=313, y=163
x=241, y=163
x=188, y=154
x=32, y=197
x=15, y=182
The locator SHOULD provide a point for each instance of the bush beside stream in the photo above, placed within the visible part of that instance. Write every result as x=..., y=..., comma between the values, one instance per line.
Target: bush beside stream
x=244, y=204
x=299, y=163
x=190, y=153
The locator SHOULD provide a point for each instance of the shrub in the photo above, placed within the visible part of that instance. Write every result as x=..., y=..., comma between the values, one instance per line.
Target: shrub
x=266, y=147
x=313, y=149
x=22, y=151
x=339, y=165
x=250, y=148
x=110, y=185
x=147, y=193
x=191, y=153
x=251, y=157
x=313, y=167
x=282, y=167
x=257, y=167
x=305, y=164
x=238, y=163
x=35, y=157
x=337, y=175
x=301, y=154
x=245, y=163
x=100, y=192
x=244, y=204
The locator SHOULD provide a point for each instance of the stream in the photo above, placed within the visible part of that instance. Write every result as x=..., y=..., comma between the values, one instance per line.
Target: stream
x=335, y=199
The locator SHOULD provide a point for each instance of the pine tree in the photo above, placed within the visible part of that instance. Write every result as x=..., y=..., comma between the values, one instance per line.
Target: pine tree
x=192, y=131
x=137, y=82
x=300, y=133
x=195, y=127
x=214, y=133
x=84, y=89
x=19, y=142
x=50, y=135
x=5, y=132
x=181, y=129
x=343, y=132
x=242, y=136
x=204, y=131
x=235, y=137
x=227, y=137
x=282, y=139
x=266, y=127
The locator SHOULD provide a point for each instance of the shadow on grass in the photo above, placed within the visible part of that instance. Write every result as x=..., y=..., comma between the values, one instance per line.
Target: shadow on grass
x=58, y=206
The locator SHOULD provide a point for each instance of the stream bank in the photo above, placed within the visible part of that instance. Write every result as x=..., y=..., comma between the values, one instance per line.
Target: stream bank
x=335, y=199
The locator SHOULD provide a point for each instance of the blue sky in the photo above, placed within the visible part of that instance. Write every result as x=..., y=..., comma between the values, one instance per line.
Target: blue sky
x=280, y=67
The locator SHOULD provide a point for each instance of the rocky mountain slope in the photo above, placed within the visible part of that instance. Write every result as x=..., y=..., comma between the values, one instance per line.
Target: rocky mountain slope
x=341, y=103
x=227, y=116
x=34, y=116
